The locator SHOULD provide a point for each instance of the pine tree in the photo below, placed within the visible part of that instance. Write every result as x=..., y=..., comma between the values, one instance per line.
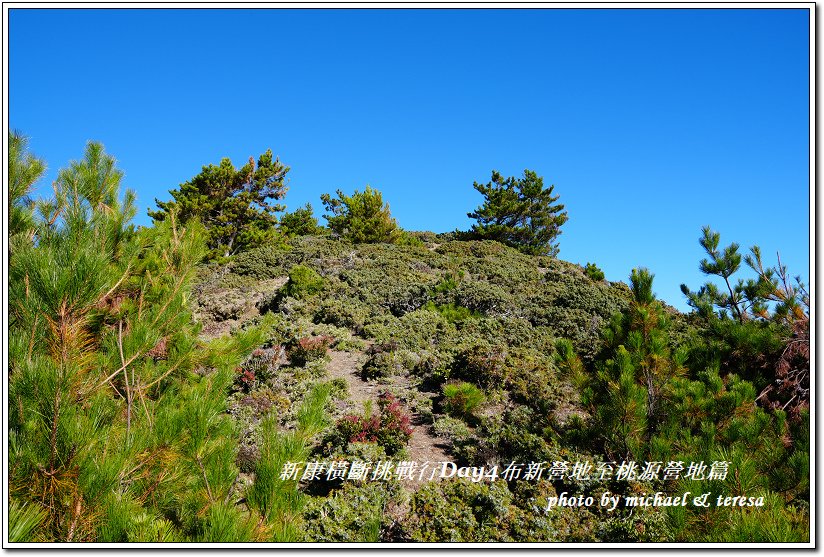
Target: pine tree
x=237, y=206
x=113, y=438
x=757, y=328
x=362, y=217
x=742, y=300
x=24, y=170
x=627, y=394
x=519, y=212
x=300, y=222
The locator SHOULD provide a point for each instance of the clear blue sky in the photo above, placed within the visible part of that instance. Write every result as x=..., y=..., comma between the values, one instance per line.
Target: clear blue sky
x=650, y=123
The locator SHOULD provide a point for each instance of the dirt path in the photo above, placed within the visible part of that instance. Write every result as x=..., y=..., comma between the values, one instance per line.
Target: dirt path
x=345, y=365
x=423, y=446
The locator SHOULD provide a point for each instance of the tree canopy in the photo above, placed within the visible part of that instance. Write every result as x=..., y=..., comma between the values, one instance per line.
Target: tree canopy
x=300, y=222
x=519, y=212
x=237, y=206
x=362, y=218
x=24, y=170
x=750, y=299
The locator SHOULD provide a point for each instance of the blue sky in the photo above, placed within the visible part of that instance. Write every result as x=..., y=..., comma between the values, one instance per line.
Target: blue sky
x=650, y=123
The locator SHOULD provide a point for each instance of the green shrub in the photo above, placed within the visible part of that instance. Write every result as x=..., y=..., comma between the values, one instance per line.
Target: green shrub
x=462, y=399
x=303, y=282
x=460, y=511
x=452, y=312
x=594, y=272
x=362, y=217
x=355, y=513
x=450, y=428
x=261, y=263
x=481, y=364
x=300, y=222
x=221, y=305
x=416, y=330
x=518, y=435
x=342, y=312
x=484, y=298
x=387, y=364
x=340, y=388
x=409, y=239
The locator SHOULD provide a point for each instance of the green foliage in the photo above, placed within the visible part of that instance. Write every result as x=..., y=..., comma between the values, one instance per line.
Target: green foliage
x=300, y=222
x=484, y=364
x=519, y=212
x=462, y=399
x=390, y=428
x=772, y=349
x=519, y=434
x=627, y=395
x=355, y=513
x=312, y=417
x=649, y=402
x=24, y=171
x=594, y=272
x=237, y=206
x=361, y=217
x=113, y=433
x=271, y=261
x=410, y=239
x=451, y=429
x=24, y=521
x=387, y=363
x=277, y=500
x=303, y=281
x=748, y=299
x=451, y=312
x=103, y=346
x=460, y=511
x=648, y=525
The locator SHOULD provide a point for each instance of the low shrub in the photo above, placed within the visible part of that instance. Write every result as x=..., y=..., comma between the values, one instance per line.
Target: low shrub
x=462, y=399
x=222, y=305
x=303, y=282
x=460, y=511
x=247, y=458
x=594, y=272
x=354, y=513
x=451, y=312
x=342, y=312
x=481, y=364
x=308, y=349
x=386, y=364
x=450, y=428
x=264, y=362
x=261, y=263
x=391, y=429
x=409, y=239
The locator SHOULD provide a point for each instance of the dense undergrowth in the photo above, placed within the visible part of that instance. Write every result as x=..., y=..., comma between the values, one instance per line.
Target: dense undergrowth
x=128, y=423
x=532, y=359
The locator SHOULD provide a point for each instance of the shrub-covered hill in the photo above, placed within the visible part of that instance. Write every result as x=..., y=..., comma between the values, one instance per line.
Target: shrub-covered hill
x=459, y=289
x=473, y=352
x=443, y=311
x=461, y=333
x=307, y=390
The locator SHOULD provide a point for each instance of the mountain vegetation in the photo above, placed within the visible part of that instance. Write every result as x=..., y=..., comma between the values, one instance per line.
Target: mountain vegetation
x=175, y=382
x=362, y=217
x=237, y=206
x=519, y=212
